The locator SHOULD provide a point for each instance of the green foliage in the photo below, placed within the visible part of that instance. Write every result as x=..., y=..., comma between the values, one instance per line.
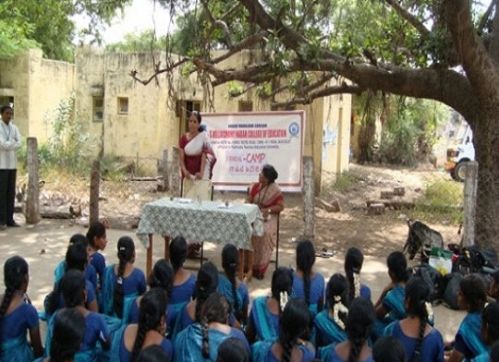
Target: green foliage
x=49, y=24
x=442, y=200
x=142, y=42
x=345, y=181
x=409, y=133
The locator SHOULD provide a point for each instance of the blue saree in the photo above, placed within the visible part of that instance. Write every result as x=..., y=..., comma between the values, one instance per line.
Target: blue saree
x=16, y=350
x=327, y=331
x=266, y=324
x=468, y=338
x=394, y=304
x=107, y=297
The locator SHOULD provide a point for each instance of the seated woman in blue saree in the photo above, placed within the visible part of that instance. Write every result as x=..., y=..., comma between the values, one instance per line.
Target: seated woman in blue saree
x=18, y=316
x=68, y=331
x=490, y=331
x=206, y=284
x=263, y=322
x=123, y=283
x=293, y=325
x=76, y=259
x=200, y=341
x=129, y=340
x=307, y=284
x=354, y=259
x=329, y=325
x=420, y=339
x=184, y=281
x=97, y=336
x=472, y=297
x=390, y=306
x=90, y=272
x=361, y=317
x=235, y=291
x=161, y=277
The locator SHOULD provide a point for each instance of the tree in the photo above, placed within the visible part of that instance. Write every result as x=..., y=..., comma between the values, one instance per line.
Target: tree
x=49, y=24
x=444, y=50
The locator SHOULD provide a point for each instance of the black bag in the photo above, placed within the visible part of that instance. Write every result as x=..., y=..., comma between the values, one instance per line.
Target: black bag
x=451, y=282
x=421, y=238
x=432, y=278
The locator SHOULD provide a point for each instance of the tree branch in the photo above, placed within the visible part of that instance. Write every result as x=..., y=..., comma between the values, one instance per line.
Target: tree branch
x=218, y=23
x=243, y=44
x=476, y=61
x=411, y=19
x=485, y=17
x=344, y=88
x=157, y=71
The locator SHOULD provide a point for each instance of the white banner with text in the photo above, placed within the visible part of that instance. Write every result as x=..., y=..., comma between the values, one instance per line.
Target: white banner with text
x=244, y=142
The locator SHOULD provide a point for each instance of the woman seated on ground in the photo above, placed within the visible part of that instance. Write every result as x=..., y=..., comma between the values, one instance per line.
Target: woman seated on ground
x=421, y=341
x=329, y=325
x=184, y=281
x=263, y=323
x=76, y=259
x=17, y=315
x=131, y=339
x=308, y=284
x=293, y=326
x=122, y=282
x=354, y=259
x=200, y=340
x=233, y=350
x=472, y=297
x=96, y=333
x=97, y=241
x=391, y=303
x=90, y=272
x=490, y=331
x=235, y=291
x=206, y=284
x=67, y=336
x=161, y=277
x=360, y=321
x=267, y=195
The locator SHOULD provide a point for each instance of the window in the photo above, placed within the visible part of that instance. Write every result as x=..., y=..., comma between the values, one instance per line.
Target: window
x=245, y=106
x=98, y=109
x=122, y=105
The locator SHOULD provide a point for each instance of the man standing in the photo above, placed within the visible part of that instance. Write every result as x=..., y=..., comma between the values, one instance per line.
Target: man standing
x=10, y=141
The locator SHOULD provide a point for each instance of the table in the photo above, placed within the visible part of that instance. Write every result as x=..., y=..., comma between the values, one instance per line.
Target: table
x=202, y=221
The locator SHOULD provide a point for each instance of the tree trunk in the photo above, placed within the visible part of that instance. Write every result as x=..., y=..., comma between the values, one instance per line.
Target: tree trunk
x=486, y=141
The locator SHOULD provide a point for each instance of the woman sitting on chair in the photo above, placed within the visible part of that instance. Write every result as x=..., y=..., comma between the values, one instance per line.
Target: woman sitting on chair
x=196, y=159
x=267, y=195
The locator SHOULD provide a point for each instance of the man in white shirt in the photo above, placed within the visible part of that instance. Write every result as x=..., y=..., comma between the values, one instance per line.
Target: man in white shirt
x=10, y=141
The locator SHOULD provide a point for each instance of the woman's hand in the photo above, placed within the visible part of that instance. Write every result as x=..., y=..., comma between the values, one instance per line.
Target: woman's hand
x=198, y=176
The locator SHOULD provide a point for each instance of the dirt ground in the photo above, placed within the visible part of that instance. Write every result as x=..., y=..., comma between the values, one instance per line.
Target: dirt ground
x=44, y=245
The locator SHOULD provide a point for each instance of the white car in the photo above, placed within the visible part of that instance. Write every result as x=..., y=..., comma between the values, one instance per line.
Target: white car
x=458, y=156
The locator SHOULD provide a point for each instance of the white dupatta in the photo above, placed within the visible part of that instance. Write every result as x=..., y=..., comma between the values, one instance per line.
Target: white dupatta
x=196, y=146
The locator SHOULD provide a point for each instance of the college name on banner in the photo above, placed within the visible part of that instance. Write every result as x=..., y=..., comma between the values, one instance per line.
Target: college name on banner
x=245, y=142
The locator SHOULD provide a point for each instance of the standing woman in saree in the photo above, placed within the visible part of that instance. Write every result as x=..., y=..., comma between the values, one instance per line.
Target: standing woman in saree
x=196, y=158
x=268, y=196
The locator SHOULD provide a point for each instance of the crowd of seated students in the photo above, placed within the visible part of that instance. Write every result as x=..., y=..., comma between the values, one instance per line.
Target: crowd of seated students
x=111, y=312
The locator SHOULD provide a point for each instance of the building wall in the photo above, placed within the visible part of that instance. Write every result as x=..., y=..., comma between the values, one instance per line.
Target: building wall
x=150, y=125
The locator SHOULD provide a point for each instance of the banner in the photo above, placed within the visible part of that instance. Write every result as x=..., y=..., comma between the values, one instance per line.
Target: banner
x=244, y=142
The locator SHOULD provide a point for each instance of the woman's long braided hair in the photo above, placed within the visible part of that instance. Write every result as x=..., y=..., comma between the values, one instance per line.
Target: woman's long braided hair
x=282, y=282
x=337, y=293
x=215, y=309
x=353, y=265
x=151, y=315
x=126, y=254
x=162, y=277
x=72, y=287
x=360, y=321
x=206, y=283
x=305, y=259
x=417, y=294
x=69, y=329
x=76, y=259
x=178, y=252
x=294, y=324
x=15, y=275
x=230, y=263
